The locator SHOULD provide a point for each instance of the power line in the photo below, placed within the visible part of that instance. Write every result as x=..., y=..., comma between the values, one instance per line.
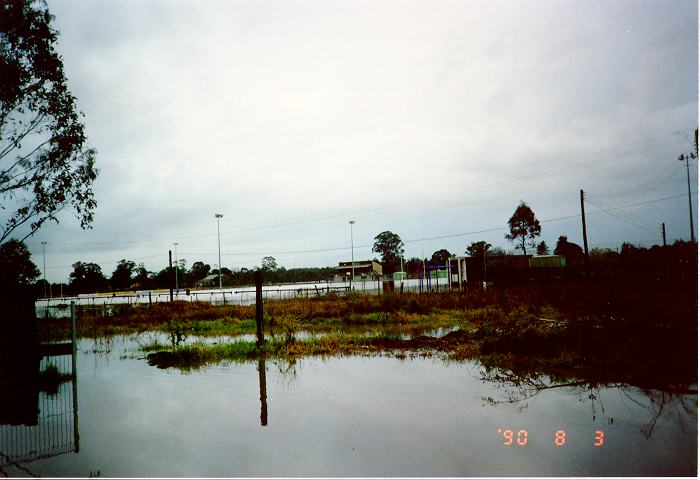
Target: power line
x=113, y=262
x=437, y=196
x=623, y=220
x=641, y=223
x=437, y=237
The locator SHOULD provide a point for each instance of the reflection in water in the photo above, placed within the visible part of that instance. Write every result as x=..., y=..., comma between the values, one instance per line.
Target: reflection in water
x=519, y=388
x=675, y=404
x=38, y=411
x=263, y=390
x=354, y=416
x=19, y=384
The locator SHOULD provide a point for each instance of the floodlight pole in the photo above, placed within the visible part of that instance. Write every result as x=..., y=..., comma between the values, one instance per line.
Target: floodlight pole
x=218, y=236
x=352, y=254
x=176, y=265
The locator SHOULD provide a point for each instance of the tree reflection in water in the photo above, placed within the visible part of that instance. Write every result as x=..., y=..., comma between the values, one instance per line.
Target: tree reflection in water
x=520, y=387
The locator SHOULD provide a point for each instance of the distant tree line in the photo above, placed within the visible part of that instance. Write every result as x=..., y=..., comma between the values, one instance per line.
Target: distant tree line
x=678, y=261
x=88, y=277
x=17, y=269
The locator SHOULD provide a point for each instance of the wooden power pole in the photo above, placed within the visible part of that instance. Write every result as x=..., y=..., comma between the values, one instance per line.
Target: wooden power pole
x=585, y=237
x=663, y=232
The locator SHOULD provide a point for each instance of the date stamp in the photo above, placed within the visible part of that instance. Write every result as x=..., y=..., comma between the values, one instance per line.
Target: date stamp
x=519, y=438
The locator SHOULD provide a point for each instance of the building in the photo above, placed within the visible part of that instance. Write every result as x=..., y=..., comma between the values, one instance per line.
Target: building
x=213, y=280
x=364, y=269
x=548, y=261
x=504, y=268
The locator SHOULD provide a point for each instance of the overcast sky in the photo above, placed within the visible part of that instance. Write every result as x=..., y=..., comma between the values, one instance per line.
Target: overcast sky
x=429, y=119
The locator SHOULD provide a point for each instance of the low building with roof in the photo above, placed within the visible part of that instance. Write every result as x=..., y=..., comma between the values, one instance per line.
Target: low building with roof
x=213, y=280
x=364, y=269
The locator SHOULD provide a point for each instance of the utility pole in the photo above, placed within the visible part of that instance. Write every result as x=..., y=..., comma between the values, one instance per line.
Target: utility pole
x=43, y=245
x=422, y=254
x=585, y=237
x=663, y=232
x=687, y=157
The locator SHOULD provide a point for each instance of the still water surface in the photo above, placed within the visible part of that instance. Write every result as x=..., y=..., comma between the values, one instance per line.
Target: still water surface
x=351, y=416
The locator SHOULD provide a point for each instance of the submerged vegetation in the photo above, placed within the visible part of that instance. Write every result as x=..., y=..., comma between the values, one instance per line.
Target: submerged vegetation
x=196, y=355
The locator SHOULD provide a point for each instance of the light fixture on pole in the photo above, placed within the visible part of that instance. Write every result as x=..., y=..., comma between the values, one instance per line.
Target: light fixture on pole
x=43, y=245
x=176, y=268
x=352, y=254
x=218, y=236
x=687, y=158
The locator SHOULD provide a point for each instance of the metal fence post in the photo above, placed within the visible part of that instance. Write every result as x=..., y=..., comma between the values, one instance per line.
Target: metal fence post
x=74, y=374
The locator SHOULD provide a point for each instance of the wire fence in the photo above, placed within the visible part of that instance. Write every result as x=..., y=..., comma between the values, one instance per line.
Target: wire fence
x=44, y=422
x=60, y=307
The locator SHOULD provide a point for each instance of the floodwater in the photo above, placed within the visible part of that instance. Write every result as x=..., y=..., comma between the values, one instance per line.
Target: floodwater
x=58, y=307
x=341, y=416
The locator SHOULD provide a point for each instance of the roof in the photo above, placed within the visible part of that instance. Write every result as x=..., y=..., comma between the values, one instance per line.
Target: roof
x=357, y=265
x=212, y=277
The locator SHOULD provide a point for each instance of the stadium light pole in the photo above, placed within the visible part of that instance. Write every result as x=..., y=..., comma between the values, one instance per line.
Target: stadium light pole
x=176, y=284
x=218, y=236
x=688, y=157
x=352, y=254
x=43, y=245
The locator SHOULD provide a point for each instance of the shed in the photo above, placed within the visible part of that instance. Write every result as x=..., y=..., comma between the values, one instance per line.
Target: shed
x=213, y=280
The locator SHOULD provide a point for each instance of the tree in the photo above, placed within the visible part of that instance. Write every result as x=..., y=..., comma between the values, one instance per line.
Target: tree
x=142, y=278
x=16, y=266
x=199, y=270
x=542, y=248
x=121, y=277
x=269, y=264
x=45, y=163
x=572, y=252
x=181, y=274
x=87, y=278
x=413, y=265
x=524, y=226
x=162, y=279
x=603, y=256
x=440, y=257
x=224, y=271
x=477, y=249
x=497, y=252
x=390, y=247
